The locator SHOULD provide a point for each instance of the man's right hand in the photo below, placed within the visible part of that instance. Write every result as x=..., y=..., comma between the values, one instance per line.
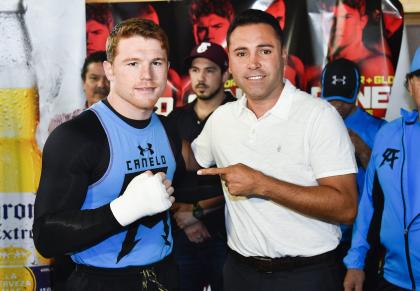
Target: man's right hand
x=354, y=280
x=145, y=195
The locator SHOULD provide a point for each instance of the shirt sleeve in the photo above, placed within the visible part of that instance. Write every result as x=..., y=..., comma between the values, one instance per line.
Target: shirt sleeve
x=330, y=148
x=202, y=145
x=356, y=256
x=70, y=156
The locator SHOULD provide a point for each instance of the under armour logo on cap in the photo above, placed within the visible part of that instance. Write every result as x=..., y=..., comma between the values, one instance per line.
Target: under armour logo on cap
x=336, y=80
x=203, y=47
x=340, y=81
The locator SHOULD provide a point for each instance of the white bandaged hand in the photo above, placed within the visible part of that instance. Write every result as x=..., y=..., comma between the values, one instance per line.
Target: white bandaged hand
x=145, y=195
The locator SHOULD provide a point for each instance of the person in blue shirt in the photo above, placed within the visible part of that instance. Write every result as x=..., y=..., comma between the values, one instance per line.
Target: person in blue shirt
x=105, y=186
x=389, y=212
x=340, y=87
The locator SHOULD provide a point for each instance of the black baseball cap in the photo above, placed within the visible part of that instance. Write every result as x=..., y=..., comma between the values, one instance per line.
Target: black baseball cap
x=340, y=81
x=209, y=50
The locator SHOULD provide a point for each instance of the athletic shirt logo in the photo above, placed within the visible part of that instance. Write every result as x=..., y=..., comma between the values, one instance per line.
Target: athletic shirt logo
x=389, y=155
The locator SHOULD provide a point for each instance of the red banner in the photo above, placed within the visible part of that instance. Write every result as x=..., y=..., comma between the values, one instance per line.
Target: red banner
x=317, y=31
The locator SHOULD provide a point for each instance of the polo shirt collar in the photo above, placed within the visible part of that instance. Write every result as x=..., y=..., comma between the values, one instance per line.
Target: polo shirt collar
x=282, y=107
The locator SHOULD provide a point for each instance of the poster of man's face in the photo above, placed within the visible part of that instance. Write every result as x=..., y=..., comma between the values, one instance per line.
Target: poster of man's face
x=316, y=32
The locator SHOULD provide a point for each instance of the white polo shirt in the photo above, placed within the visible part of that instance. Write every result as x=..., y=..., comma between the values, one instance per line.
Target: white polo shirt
x=299, y=140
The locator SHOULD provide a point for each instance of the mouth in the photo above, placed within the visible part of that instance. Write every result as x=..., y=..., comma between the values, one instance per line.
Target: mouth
x=102, y=92
x=255, y=77
x=145, y=90
x=201, y=87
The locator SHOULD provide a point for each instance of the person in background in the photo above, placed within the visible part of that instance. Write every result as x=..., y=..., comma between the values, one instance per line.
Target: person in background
x=340, y=87
x=105, y=187
x=200, y=247
x=344, y=24
x=346, y=40
x=287, y=167
x=294, y=69
x=210, y=22
x=99, y=23
x=211, y=19
x=95, y=86
x=389, y=212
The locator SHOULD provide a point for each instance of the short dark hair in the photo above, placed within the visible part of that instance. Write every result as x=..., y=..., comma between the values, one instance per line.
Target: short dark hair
x=96, y=57
x=360, y=5
x=200, y=8
x=100, y=13
x=411, y=75
x=254, y=16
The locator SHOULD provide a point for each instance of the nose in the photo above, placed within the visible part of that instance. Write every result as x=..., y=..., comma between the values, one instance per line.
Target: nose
x=146, y=72
x=253, y=62
x=211, y=34
x=103, y=82
x=201, y=76
x=203, y=33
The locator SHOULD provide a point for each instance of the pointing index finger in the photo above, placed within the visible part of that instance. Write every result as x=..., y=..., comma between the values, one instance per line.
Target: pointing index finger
x=212, y=171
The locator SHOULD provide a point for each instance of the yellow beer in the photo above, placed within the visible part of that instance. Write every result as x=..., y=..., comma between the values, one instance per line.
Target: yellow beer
x=20, y=159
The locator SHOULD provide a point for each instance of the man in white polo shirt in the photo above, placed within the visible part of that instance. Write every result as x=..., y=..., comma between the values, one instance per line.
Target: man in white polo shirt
x=288, y=167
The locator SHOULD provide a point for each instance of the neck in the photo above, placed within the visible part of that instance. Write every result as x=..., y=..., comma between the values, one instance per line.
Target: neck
x=127, y=109
x=349, y=52
x=204, y=107
x=261, y=105
x=351, y=111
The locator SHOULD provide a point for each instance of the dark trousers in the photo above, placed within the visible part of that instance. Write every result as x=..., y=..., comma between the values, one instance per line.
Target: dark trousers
x=200, y=264
x=384, y=285
x=63, y=266
x=157, y=277
x=239, y=276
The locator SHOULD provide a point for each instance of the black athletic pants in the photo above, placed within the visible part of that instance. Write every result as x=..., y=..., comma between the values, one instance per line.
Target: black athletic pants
x=162, y=276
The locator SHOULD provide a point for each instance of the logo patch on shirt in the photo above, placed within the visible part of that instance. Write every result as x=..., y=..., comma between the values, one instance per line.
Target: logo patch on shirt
x=148, y=149
x=390, y=156
x=148, y=158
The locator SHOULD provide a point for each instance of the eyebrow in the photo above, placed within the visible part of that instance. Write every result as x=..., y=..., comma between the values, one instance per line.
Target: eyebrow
x=258, y=46
x=205, y=68
x=138, y=59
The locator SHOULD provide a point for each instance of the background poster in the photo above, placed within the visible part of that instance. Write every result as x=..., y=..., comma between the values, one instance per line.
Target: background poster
x=40, y=60
x=317, y=31
x=42, y=50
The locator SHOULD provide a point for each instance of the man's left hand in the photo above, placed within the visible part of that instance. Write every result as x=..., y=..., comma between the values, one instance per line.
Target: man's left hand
x=240, y=180
x=183, y=214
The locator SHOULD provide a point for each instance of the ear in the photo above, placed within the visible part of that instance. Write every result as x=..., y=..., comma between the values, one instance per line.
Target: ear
x=363, y=21
x=410, y=86
x=284, y=54
x=225, y=76
x=108, y=71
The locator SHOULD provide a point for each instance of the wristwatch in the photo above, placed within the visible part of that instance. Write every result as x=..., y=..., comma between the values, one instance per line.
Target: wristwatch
x=197, y=210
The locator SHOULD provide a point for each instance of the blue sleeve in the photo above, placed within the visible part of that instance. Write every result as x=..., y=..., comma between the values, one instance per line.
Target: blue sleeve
x=355, y=258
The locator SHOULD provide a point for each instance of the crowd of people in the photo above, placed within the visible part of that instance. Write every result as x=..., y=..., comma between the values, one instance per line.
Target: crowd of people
x=258, y=193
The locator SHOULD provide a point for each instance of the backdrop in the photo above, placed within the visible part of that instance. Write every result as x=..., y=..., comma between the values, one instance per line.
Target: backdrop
x=43, y=44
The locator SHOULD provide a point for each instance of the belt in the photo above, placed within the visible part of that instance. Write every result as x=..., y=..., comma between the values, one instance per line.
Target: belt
x=131, y=270
x=270, y=265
